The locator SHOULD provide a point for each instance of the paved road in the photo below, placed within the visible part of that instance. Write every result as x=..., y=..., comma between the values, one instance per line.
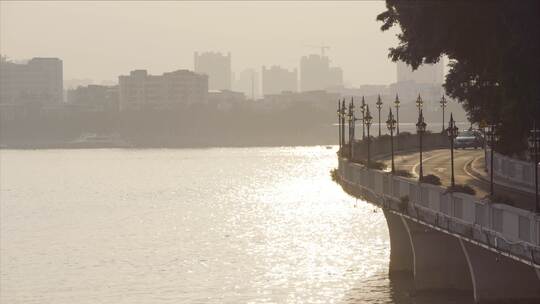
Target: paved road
x=469, y=169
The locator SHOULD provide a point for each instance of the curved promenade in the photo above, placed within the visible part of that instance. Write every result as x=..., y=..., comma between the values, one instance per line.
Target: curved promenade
x=452, y=240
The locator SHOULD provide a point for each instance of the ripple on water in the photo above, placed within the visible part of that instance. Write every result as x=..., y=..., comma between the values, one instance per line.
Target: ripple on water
x=243, y=225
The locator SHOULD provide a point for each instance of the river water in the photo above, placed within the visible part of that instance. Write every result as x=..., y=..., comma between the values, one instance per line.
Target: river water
x=223, y=225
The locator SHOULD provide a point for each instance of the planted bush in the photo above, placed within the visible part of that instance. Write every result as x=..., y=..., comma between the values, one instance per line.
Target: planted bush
x=403, y=173
x=432, y=179
x=377, y=165
x=403, y=203
x=501, y=199
x=462, y=188
x=334, y=175
x=404, y=133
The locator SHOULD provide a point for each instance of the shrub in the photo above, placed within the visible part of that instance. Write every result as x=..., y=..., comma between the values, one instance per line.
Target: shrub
x=462, y=188
x=403, y=173
x=404, y=133
x=432, y=179
x=377, y=165
x=501, y=199
x=334, y=175
x=403, y=203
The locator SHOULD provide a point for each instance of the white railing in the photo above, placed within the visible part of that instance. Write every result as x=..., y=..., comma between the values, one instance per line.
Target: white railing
x=511, y=172
x=512, y=225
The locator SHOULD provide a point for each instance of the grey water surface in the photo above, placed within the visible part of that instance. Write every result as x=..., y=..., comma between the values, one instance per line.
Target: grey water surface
x=223, y=225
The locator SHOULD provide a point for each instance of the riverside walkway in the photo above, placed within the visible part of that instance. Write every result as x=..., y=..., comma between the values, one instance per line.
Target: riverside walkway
x=469, y=169
x=449, y=240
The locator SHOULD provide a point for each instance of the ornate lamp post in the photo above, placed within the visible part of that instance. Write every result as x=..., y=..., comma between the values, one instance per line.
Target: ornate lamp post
x=452, y=133
x=349, y=120
x=420, y=129
x=391, y=125
x=443, y=102
x=363, y=109
x=339, y=123
x=352, y=122
x=367, y=122
x=493, y=137
x=343, y=123
x=396, y=103
x=379, y=107
x=534, y=148
x=419, y=103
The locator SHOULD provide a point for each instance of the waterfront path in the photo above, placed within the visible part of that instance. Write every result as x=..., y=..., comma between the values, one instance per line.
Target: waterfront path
x=469, y=169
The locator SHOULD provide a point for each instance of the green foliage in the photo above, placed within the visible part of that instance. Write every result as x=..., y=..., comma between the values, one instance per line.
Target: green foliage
x=404, y=133
x=377, y=165
x=493, y=47
x=501, y=199
x=431, y=179
x=462, y=188
x=403, y=173
x=334, y=174
x=403, y=203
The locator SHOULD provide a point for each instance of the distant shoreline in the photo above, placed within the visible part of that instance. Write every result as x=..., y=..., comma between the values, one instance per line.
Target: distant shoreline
x=142, y=147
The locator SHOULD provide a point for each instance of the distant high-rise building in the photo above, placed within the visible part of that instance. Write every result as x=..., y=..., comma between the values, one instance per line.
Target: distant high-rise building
x=427, y=73
x=316, y=73
x=335, y=77
x=247, y=82
x=94, y=96
x=217, y=67
x=277, y=79
x=40, y=80
x=139, y=89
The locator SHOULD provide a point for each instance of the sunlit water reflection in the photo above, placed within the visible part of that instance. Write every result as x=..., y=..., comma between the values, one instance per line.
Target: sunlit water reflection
x=243, y=225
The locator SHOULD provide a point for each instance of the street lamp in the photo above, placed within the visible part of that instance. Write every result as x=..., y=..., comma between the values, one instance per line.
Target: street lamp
x=396, y=103
x=379, y=107
x=420, y=129
x=419, y=103
x=339, y=123
x=443, y=102
x=352, y=122
x=492, y=141
x=452, y=133
x=391, y=125
x=367, y=121
x=363, y=109
x=343, y=123
x=534, y=149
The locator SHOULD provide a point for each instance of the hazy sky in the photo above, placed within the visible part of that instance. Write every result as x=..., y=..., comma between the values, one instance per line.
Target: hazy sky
x=101, y=40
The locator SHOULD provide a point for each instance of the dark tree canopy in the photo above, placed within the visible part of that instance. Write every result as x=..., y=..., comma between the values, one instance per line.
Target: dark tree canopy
x=494, y=52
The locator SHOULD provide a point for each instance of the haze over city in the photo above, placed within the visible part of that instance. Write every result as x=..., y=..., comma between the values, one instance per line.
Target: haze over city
x=100, y=40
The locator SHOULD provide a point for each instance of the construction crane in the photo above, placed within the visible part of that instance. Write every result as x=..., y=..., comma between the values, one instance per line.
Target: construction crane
x=322, y=47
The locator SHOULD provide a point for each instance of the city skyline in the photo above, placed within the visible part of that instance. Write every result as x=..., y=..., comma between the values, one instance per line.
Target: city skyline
x=183, y=28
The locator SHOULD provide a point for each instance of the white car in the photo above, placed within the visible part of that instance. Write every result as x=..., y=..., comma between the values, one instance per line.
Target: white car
x=469, y=139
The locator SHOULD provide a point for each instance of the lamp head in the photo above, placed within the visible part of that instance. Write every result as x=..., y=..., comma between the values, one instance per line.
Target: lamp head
x=419, y=101
x=379, y=102
x=421, y=124
x=367, y=117
x=452, y=130
x=391, y=122
x=443, y=102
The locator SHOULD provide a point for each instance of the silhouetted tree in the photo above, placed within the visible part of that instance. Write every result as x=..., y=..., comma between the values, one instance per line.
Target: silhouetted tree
x=494, y=52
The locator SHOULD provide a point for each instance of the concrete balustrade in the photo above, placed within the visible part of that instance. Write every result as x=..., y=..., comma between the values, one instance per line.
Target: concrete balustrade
x=512, y=172
x=505, y=220
x=453, y=240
